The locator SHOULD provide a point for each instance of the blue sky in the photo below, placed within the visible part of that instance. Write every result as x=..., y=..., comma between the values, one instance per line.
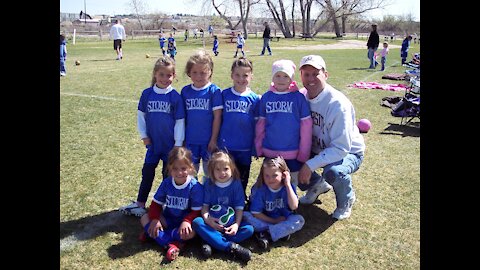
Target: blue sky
x=112, y=7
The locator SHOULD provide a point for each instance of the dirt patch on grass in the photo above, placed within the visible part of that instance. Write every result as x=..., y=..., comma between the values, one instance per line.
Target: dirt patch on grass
x=341, y=44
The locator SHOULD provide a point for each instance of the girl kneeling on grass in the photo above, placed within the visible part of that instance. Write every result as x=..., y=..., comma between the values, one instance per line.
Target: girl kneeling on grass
x=176, y=203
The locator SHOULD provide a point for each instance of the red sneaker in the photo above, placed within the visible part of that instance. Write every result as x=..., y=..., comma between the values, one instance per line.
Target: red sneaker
x=172, y=252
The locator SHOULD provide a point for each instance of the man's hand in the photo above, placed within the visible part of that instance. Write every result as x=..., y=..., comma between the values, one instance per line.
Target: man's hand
x=304, y=175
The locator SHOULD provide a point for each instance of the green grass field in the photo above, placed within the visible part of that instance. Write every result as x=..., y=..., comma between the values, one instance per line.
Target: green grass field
x=101, y=157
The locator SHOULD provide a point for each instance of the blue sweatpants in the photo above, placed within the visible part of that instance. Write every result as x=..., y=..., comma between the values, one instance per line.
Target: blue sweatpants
x=218, y=240
x=165, y=237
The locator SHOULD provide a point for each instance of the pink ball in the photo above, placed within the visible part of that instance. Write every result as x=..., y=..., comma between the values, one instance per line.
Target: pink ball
x=364, y=125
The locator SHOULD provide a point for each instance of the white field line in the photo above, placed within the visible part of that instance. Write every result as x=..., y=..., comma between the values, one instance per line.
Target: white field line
x=89, y=231
x=97, y=97
x=373, y=73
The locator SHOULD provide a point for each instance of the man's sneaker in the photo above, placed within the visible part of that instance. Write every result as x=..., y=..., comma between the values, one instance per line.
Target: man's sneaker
x=63, y=74
x=262, y=240
x=344, y=212
x=133, y=209
x=206, y=250
x=312, y=194
x=243, y=253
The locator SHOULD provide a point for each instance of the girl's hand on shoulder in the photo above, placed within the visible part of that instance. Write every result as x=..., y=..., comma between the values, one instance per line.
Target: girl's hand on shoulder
x=232, y=230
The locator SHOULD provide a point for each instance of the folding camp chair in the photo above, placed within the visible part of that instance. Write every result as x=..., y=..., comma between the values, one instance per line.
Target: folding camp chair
x=411, y=101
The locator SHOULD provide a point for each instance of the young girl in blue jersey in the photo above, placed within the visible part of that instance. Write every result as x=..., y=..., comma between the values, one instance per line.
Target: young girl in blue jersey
x=224, y=188
x=161, y=125
x=171, y=46
x=203, y=108
x=272, y=203
x=284, y=127
x=161, y=40
x=215, y=45
x=240, y=45
x=240, y=111
x=176, y=203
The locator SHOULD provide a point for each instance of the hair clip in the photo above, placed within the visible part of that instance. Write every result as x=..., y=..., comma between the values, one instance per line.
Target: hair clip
x=276, y=162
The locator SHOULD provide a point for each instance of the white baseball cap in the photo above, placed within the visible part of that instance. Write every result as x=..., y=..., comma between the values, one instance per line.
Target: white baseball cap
x=315, y=61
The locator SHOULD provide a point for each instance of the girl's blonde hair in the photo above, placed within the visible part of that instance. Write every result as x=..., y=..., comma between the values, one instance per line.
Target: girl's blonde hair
x=180, y=153
x=277, y=163
x=163, y=61
x=242, y=62
x=222, y=158
x=202, y=58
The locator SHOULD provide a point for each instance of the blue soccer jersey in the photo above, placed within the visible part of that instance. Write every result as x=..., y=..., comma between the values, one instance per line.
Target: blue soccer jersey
x=162, y=42
x=199, y=107
x=240, y=111
x=273, y=203
x=177, y=201
x=228, y=194
x=161, y=112
x=283, y=114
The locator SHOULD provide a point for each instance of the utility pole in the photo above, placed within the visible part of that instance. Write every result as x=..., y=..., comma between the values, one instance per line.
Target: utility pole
x=85, y=8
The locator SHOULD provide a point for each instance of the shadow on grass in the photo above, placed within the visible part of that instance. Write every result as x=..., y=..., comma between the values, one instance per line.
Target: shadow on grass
x=411, y=129
x=103, y=60
x=361, y=69
x=317, y=221
x=88, y=228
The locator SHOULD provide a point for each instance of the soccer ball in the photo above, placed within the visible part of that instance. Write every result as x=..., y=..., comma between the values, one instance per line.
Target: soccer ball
x=77, y=63
x=364, y=125
x=147, y=55
x=225, y=214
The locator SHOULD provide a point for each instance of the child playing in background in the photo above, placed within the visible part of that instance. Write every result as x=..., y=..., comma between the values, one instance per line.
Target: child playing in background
x=176, y=203
x=384, y=53
x=224, y=188
x=63, y=55
x=404, y=49
x=272, y=204
x=284, y=127
x=203, y=107
x=240, y=112
x=171, y=46
x=161, y=125
x=161, y=40
x=240, y=44
x=215, y=45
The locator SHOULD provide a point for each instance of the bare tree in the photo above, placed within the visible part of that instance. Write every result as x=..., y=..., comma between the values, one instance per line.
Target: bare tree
x=138, y=8
x=279, y=16
x=336, y=9
x=227, y=8
x=305, y=11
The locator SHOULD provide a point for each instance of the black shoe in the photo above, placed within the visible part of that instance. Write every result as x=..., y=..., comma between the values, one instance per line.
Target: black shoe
x=286, y=238
x=243, y=253
x=262, y=240
x=206, y=250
